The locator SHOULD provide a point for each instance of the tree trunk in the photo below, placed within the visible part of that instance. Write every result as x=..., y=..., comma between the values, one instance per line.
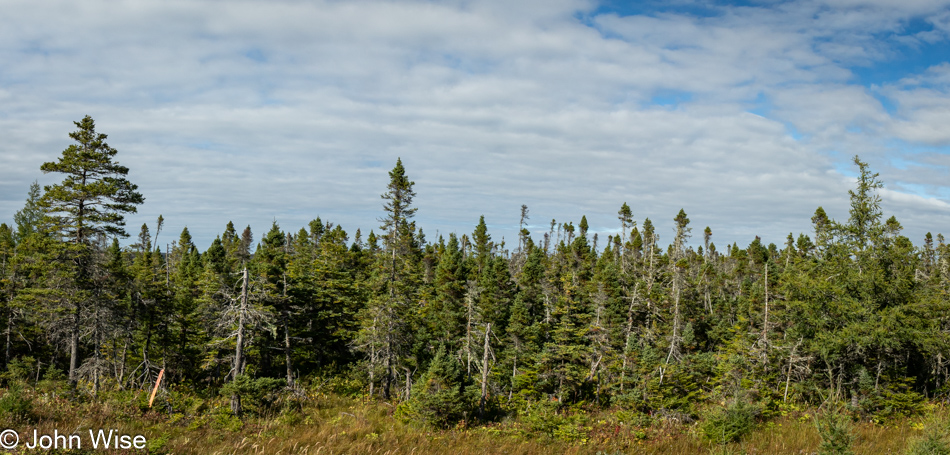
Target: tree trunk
x=6, y=356
x=674, y=340
x=145, y=349
x=97, y=356
x=481, y=403
x=287, y=361
x=122, y=365
x=514, y=374
x=468, y=336
x=373, y=358
x=628, y=331
x=239, y=344
x=387, y=385
x=74, y=349
x=765, y=323
x=95, y=374
x=471, y=294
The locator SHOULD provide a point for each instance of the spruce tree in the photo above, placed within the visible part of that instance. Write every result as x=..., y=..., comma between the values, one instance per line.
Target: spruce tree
x=7, y=249
x=625, y=215
x=149, y=307
x=864, y=224
x=440, y=397
x=29, y=217
x=95, y=195
x=384, y=322
x=270, y=265
x=88, y=204
x=448, y=314
x=179, y=325
x=679, y=265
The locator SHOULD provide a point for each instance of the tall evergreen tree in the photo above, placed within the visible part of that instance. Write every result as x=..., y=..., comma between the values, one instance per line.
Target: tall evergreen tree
x=7, y=280
x=679, y=263
x=29, y=217
x=864, y=224
x=89, y=203
x=625, y=215
x=448, y=313
x=383, y=335
x=95, y=195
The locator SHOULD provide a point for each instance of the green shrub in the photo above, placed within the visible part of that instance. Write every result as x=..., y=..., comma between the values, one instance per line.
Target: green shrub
x=185, y=401
x=896, y=400
x=724, y=450
x=933, y=442
x=549, y=418
x=542, y=418
x=256, y=394
x=835, y=430
x=291, y=418
x=730, y=423
x=54, y=374
x=53, y=380
x=15, y=404
x=351, y=382
x=928, y=446
x=20, y=369
x=157, y=445
x=440, y=397
x=634, y=418
x=570, y=432
x=223, y=419
x=680, y=390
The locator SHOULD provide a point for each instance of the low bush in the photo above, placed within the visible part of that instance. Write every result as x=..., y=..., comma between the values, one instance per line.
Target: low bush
x=20, y=369
x=835, y=430
x=440, y=398
x=730, y=423
x=933, y=441
x=16, y=405
x=549, y=418
x=258, y=395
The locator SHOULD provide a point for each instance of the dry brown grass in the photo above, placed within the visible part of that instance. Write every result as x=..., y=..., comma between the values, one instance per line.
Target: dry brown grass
x=329, y=424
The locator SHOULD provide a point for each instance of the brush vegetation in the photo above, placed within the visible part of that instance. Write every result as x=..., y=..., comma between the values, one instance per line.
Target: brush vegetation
x=558, y=340
x=312, y=419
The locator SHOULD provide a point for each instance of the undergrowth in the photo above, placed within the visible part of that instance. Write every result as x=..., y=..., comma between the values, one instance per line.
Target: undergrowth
x=317, y=420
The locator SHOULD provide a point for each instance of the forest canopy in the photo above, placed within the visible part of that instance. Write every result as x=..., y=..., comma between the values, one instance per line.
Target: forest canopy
x=460, y=326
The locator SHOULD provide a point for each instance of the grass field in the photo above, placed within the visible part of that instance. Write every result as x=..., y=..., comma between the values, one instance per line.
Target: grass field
x=317, y=423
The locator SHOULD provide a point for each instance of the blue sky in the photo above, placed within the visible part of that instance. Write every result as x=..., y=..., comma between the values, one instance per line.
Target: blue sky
x=744, y=114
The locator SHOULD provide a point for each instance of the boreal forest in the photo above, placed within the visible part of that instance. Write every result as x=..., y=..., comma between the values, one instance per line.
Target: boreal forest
x=463, y=331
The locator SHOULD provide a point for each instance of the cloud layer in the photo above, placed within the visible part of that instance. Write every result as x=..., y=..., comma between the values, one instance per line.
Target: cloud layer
x=746, y=117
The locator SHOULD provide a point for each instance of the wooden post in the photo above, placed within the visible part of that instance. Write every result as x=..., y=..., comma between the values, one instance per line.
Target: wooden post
x=155, y=389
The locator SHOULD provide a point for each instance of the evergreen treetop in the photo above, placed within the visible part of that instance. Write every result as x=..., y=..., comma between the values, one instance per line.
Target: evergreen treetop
x=94, y=195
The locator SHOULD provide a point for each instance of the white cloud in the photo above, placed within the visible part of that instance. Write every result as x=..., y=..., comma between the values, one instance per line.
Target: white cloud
x=923, y=106
x=250, y=111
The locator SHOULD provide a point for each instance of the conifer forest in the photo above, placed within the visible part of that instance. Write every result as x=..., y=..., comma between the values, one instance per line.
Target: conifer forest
x=462, y=331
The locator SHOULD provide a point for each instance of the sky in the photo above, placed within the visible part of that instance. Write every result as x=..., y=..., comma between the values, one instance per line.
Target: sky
x=745, y=114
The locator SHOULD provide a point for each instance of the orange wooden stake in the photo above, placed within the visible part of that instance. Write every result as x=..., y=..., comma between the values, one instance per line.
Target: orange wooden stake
x=155, y=389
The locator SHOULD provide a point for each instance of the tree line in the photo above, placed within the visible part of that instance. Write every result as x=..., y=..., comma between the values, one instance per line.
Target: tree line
x=461, y=327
